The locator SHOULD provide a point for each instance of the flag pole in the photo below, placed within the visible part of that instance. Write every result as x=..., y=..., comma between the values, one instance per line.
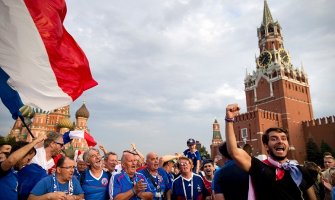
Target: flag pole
x=24, y=123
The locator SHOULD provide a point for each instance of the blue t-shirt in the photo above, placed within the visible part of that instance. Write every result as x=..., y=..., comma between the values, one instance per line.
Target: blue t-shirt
x=8, y=184
x=231, y=181
x=194, y=156
x=161, y=180
x=182, y=188
x=28, y=177
x=95, y=188
x=121, y=183
x=50, y=184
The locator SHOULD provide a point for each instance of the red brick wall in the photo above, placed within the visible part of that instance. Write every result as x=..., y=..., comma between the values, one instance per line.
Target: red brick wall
x=320, y=129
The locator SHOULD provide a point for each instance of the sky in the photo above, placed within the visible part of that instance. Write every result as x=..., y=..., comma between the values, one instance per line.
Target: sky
x=167, y=69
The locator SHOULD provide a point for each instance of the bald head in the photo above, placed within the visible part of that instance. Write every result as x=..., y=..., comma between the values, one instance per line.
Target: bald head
x=152, y=161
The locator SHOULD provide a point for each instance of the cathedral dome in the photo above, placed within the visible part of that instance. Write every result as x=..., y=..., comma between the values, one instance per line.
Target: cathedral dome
x=83, y=112
x=27, y=111
x=65, y=123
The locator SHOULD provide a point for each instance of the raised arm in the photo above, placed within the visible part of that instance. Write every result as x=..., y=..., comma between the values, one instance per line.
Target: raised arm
x=133, y=146
x=242, y=158
x=20, y=153
x=103, y=149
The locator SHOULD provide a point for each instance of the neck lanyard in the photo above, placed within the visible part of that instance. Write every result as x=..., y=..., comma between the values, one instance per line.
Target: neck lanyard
x=129, y=180
x=185, y=194
x=56, y=186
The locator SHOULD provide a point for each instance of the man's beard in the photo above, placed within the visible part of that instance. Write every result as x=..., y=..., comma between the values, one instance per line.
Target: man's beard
x=277, y=158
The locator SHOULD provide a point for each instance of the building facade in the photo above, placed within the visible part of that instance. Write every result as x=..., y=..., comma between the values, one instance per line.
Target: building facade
x=58, y=120
x=278, y=95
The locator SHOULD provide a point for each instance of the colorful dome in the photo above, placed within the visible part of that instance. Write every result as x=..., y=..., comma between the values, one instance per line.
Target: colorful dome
x=65, y=123
x=27, y=111
x=83, y=112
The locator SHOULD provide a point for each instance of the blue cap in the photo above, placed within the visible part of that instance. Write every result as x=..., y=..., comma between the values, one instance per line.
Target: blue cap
x=190, y=141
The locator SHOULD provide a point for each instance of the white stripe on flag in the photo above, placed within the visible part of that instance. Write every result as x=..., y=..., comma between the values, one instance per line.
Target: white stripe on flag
x=77, y=134
x=24, y=58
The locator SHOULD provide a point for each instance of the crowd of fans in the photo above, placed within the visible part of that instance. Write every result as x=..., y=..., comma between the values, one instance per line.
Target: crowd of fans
x=40, y=170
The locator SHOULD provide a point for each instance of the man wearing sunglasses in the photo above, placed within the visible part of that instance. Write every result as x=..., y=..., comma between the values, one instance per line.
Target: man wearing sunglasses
x=61, y=185
x=45, y=154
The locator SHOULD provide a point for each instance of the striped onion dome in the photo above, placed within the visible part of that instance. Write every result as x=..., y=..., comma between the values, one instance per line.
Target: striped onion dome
x=27, y=111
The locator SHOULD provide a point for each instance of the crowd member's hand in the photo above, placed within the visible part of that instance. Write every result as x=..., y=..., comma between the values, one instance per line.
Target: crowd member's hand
x=232, y=110
x=326, y=184
x=39, y=139
x=178, y=155
x=56, y=196
x=140, y=186
x=103, y=149
x=72, y=197
x=133, y=146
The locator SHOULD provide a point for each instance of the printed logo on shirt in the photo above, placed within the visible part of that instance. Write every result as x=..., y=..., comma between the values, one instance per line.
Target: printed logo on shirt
x=199, y=188
x=104, y=181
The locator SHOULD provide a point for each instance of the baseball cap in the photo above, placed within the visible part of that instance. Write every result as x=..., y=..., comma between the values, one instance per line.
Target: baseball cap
x=190, y=141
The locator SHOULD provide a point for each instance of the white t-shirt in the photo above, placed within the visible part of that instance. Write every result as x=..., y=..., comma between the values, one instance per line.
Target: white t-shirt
x=40, y=159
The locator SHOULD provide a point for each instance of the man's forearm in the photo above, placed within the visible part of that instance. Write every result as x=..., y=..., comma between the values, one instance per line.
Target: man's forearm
x=125, y=195
x=145, y=195
x=16, y=156
x=230, y=138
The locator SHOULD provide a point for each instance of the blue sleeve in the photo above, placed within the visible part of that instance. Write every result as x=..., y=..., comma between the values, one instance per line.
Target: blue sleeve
x=197, y=153
x=43, y=186
x=76, y=185
x=115, y=187
x=185, y=152
x=216, y=183
x=166, y=179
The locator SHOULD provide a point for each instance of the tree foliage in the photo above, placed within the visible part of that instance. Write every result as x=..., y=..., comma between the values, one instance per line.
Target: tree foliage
x=326, y=148
x=203, y=153
x=313, y=152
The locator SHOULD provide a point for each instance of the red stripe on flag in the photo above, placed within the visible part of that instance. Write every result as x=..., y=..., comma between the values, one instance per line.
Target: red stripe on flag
x=67, y=60
x=89, y=139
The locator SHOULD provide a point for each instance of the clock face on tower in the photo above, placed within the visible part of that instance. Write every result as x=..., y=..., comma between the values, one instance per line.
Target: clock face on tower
x=264, y=59
x=284, y=56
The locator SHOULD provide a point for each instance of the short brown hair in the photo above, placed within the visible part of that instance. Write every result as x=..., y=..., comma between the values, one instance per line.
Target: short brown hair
x=265, y=136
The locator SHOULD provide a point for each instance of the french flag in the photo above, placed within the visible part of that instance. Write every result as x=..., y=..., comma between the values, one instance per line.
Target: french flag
x=39, y=60
x=68, y=136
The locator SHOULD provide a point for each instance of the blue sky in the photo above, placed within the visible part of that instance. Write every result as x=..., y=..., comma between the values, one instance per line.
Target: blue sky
x=167, y=69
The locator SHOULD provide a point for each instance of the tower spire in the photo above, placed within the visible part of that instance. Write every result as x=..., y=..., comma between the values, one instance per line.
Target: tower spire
x=267, y=17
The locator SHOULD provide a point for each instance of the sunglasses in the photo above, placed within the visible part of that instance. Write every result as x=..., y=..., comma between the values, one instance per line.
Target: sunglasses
x=61, y=144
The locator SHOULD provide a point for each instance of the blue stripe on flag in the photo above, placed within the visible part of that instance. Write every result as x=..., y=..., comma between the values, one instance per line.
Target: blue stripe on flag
x=9, y=97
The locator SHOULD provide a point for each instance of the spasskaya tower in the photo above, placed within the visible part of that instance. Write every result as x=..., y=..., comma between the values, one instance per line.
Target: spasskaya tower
x=277, y=92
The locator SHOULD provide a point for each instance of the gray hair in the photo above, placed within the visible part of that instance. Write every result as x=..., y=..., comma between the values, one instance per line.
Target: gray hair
x=86, y=155
x=51, y=137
